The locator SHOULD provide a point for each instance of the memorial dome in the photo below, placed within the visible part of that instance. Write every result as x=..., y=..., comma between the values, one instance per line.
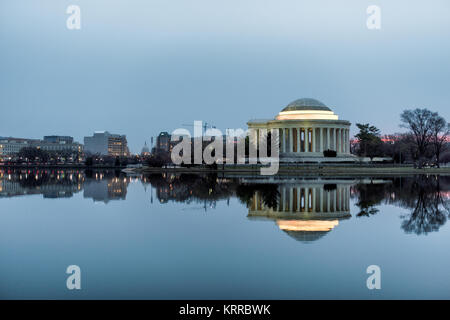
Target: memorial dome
x=306, y=109
x=306, y=104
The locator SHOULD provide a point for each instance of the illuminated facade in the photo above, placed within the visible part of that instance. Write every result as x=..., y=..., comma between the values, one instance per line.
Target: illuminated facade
x=105, y=143
x=307, y=128
x=10, y=146
x=163, y=142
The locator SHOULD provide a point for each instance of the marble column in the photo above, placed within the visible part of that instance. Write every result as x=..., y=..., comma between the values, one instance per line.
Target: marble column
x=314, y=204
x=334, y=199
x=305, y=190
x=291, y=197
x=255, y=139
x=307, y=142
x=346, y=141
x=291, y=139
x=321, y=130
x=302, y=143
x=313, y=138
x=338, y=140
x=334, y=139
x=321, y=199
x=258, y=133
x=327, y=194
x=338, y=199
x=328, y=138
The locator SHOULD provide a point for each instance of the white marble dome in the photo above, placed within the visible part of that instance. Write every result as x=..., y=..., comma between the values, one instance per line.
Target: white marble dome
x=306, y=109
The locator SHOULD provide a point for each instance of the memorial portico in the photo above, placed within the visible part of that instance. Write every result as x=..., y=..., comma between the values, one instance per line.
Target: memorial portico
x=307, y=128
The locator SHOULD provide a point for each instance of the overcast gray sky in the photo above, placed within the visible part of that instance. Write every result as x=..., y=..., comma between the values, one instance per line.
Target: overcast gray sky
x=138, y=67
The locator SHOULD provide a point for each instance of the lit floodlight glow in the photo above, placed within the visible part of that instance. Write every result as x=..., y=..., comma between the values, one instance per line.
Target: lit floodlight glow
x=307, y=225
x=307, y=115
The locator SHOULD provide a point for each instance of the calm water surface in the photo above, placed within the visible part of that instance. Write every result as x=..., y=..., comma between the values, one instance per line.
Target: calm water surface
x=207, y=237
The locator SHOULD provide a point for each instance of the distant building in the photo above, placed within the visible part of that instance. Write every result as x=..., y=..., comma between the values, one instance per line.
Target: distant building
x=58, y=139
x=105, y=143
x=60, y=144
x=145, y=150
x=163, y=142
x=10, y=146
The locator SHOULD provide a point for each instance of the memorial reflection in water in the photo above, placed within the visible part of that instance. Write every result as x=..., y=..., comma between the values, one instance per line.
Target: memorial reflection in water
x=304, y=207
x=305, y=211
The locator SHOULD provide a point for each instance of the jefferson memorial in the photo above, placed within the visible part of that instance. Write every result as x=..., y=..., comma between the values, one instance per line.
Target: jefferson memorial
x=307, y=128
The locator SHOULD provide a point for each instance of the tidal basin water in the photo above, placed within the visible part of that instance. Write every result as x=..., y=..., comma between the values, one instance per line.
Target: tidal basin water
x=169, y=236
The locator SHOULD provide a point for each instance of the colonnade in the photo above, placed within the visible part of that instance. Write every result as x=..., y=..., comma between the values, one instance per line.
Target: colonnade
x=304, y=139
x=312, y=139
x=308, y=199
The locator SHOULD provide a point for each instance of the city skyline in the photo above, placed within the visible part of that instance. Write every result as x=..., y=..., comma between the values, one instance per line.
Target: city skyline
x=135, y=71
x=185, y=153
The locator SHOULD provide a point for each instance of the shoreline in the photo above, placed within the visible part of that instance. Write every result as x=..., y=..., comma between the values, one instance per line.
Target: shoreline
x=61, y=166
x=304, y=170
x=254, y=170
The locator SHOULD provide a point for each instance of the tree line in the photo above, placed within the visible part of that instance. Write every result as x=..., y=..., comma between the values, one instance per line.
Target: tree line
x=424, y=143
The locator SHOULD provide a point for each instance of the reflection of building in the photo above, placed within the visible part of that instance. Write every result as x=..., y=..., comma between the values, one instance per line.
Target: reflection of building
x=105, y=189
x=305, y=211
x=307, y=128
x=176, y=192
x=51, y=184
x=100, y=186
x=105, y=143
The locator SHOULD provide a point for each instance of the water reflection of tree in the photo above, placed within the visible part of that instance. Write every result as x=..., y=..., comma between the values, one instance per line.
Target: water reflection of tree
x=206, y=188
x=268, y=192
x=423, y=195
x=431, y=209
x=370, y=195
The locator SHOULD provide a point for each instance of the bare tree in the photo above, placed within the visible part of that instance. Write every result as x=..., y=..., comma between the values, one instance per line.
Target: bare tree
x=420, y=122
x=440, y=131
